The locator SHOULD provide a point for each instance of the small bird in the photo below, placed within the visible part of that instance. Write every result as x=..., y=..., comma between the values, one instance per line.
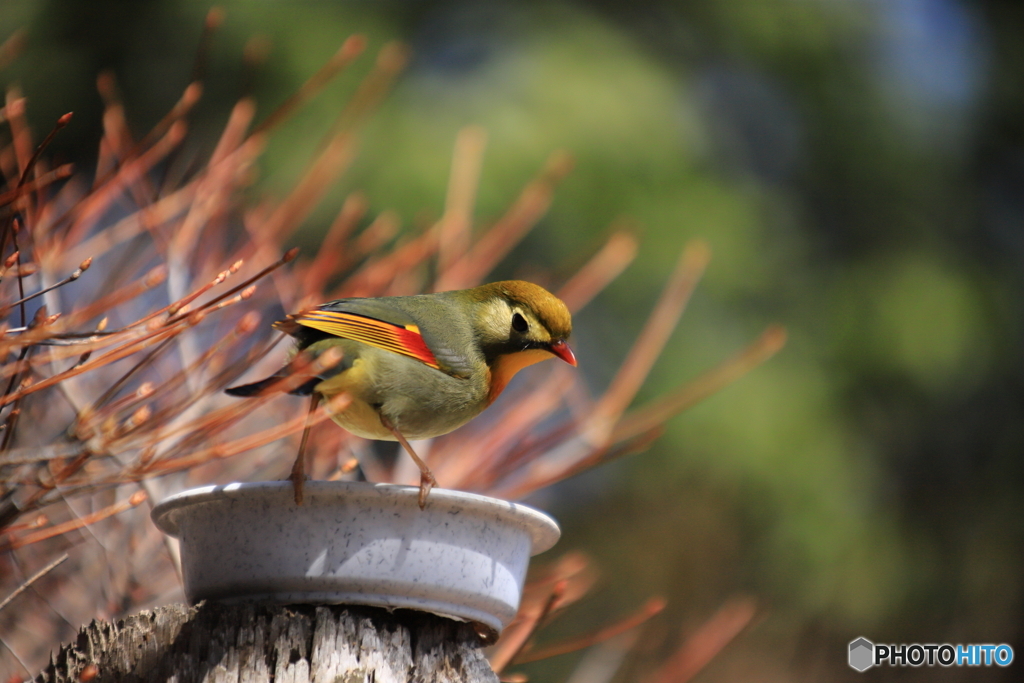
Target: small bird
x=416, y=367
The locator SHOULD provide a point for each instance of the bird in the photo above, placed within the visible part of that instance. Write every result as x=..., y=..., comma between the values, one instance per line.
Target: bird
x=419, y=366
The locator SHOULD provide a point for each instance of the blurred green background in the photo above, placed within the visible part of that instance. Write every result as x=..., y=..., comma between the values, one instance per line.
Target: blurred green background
x=858, y=169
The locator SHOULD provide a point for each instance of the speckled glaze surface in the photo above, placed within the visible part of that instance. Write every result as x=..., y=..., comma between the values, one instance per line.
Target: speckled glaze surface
x=464, y=556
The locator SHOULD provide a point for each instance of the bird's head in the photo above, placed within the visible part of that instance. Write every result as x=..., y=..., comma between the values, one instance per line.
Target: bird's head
x=519, y=323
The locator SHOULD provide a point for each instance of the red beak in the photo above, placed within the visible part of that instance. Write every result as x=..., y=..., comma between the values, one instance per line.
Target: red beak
x=562, y=350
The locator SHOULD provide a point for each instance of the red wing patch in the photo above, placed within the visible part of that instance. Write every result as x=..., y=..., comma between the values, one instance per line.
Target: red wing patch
x=405, y=340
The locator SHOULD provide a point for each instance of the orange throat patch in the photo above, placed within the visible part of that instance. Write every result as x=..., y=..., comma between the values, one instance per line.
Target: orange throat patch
x=504, y=368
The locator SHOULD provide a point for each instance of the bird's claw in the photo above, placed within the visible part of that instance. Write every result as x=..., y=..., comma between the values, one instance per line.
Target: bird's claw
x=427, y=482
x=298, y=480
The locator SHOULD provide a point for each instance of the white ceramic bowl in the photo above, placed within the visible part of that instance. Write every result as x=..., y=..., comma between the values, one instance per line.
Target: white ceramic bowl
x=465, y=556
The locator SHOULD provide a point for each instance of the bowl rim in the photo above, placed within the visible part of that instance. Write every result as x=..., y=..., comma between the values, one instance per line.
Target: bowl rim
x=544, y=531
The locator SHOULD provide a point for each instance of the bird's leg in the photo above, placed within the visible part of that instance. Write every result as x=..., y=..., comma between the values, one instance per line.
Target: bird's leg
x=298, y=475
x=427, y=480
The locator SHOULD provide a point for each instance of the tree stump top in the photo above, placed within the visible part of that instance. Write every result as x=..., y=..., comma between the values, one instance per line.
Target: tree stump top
x=255, y=643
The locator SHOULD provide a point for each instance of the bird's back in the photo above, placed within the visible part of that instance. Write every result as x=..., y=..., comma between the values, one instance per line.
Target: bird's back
x=422, y=401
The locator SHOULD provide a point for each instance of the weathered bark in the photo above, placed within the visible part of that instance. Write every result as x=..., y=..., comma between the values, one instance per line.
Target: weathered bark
x=214, y=643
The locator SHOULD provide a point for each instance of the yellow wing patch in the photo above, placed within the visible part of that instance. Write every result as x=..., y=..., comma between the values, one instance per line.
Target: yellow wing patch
x=405, y=340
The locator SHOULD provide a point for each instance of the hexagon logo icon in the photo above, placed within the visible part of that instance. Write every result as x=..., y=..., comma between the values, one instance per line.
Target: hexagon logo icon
x=862, y=654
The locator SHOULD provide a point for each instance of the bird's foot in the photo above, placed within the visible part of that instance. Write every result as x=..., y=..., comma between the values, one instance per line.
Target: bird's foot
x=427, y=482
x=298, y=475
x=297, y=485
x=298, y=479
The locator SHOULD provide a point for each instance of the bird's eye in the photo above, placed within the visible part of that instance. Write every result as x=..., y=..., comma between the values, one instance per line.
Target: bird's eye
x=519, y=323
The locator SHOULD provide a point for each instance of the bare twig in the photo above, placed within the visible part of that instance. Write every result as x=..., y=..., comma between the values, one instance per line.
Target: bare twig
x=32, y=579
x=77, y=273
x=702, y=646
x=61, y=122
x=42, y=181
x=345, y=55
x=649, y=609
x=457, y=220
x=71, y=525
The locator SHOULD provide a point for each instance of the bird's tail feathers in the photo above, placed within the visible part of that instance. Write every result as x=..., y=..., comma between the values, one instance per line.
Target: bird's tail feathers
x=265, y=386
x=288, y=325
x=254, y=389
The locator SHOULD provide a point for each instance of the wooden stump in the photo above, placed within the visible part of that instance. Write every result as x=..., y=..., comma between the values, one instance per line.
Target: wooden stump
x=246, y=643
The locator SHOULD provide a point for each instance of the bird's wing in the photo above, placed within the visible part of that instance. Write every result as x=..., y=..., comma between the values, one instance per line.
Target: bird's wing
x=398, y=335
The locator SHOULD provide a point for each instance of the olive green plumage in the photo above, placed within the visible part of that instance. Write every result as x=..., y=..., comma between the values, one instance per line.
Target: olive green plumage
x=478, y=339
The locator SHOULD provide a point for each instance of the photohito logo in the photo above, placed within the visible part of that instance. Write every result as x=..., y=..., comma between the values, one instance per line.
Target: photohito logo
x=864, y=654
